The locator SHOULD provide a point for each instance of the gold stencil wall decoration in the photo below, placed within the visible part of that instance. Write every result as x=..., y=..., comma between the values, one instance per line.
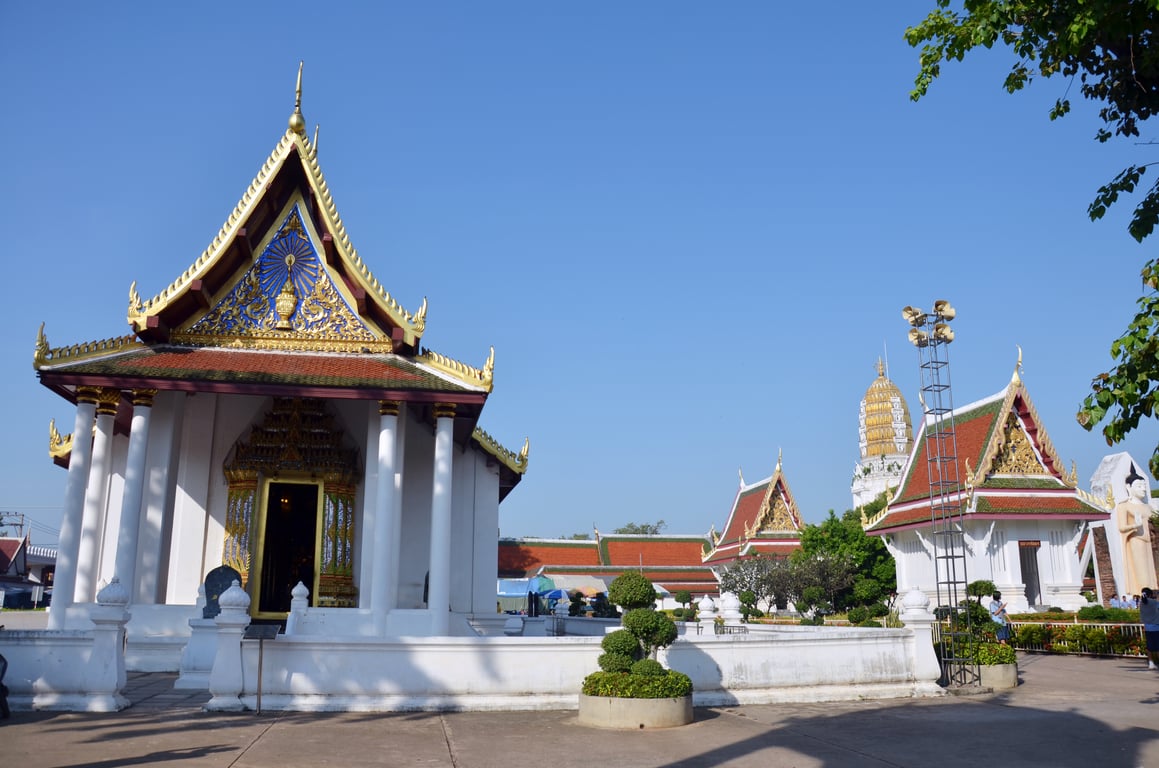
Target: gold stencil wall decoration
x=236, y=550
x=1016, y=456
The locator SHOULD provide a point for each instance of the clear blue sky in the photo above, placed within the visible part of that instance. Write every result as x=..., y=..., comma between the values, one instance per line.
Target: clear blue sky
x=687, y=229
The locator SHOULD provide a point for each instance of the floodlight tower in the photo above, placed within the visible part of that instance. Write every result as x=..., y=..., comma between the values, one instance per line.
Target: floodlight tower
x=931, y=334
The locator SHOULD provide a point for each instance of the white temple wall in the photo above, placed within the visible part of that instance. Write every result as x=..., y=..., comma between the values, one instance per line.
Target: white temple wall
x=992, y=554
x=186, y=549
x=417, y=490
x=475, y=531
x=161, y=458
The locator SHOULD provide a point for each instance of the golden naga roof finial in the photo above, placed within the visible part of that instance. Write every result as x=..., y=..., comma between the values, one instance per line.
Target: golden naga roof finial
x=1017, y=377
x=58, y=446
x=420, y=318
x=740, y=474
x=316, y=128
x=136, y=306
x=1072, y=479
x=297, y=122
x=778, y=460
x=41, y=353
x=489, y=370
x=524, y=451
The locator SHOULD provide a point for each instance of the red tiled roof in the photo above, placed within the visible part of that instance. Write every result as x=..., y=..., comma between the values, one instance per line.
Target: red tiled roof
x=525, y=557
x=243, y=366
x=744, y=511
x=1065, y=505
x=652, y=550
x=972, y=433
x=9, y=548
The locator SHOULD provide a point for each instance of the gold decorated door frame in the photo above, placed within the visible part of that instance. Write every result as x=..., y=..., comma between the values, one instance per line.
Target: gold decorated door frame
x=281, y=560
x=298, y=444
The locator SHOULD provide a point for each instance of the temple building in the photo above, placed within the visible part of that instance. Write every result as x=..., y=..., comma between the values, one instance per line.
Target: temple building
x=764, y=519
x=885, y=437
x=1022, y=515
x=275, y=410
x=672, y=562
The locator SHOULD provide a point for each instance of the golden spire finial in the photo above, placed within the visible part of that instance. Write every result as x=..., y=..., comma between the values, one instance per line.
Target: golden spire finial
x=880, y=367
x=740, y=474
x=778, y=459
x=297, y=122
x=1017, y=377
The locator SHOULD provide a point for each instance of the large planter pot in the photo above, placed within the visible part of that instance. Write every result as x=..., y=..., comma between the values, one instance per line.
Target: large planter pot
x=998, y=676
x=634, y=714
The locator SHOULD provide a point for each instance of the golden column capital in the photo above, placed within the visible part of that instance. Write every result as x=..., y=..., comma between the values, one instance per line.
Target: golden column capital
x=87, y=395
x=107, y=401
x=142, y=397
x=388, y=407
x=444, y=410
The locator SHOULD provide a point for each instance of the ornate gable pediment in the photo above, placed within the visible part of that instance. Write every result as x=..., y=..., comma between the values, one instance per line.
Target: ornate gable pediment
x=776, y=513
x=287, y=295
x=1015, y=455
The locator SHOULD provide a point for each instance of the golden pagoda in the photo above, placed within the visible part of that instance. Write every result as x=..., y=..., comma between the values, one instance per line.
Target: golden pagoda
x=885, y=437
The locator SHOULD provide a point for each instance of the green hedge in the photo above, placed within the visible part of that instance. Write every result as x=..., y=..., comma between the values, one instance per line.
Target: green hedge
x=625, y=685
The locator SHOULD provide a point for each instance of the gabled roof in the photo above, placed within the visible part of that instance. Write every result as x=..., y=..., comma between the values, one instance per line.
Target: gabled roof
x=634, y=550
x=525, y=557
x=764, y=518
x=1007, y=466
x=13, y=556
x=279, y=304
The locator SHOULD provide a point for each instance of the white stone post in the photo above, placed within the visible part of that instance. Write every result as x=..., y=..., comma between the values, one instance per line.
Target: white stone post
x=396, y=532
x=200, y=650
x=125, y=566
x=730, y=610
x=299, y=604
x=68, y=549
x=226, y=679
x=93, y=525
x=707, y=613
x=917, y=617
x=439, y=591
x=386, y=505
x=105, y=673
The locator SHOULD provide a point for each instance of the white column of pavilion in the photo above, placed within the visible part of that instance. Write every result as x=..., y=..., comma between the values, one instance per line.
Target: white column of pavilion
x=384, y=569
x=396, y=531
x=93, y=522
x=125, y=567
x=439, y=592
x=64, y=581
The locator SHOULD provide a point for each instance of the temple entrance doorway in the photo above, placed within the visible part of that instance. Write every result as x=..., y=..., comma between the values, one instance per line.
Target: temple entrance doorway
x=289, y=545
x=1028, y=561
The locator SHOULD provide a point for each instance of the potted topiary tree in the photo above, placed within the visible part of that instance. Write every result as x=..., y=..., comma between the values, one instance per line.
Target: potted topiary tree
x=632, y=688
x=998, y=665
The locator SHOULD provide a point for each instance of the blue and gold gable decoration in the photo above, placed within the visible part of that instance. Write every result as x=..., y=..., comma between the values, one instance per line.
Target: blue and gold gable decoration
x=285, y=294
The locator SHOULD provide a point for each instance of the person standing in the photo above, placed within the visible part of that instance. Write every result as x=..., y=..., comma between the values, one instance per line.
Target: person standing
x=998, y=616
x=1149, y=616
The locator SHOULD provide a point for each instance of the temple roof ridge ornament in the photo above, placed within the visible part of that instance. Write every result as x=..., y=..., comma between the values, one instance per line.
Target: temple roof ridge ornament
x=58, y=446
x=46, y=356
x=516, y=462
x=293, y=141
x=481, y=377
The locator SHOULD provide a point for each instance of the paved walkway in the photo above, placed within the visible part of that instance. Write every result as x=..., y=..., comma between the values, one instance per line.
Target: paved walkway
x=1083, y=712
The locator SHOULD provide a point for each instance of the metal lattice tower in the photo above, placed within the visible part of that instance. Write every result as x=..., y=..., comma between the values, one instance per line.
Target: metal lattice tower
x=931, y=334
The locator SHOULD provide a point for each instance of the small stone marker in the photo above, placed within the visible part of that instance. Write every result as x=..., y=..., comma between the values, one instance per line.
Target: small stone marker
x=217, y=581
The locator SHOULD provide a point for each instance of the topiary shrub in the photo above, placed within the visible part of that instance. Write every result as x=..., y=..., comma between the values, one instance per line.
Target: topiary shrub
x=628, y=664
x=678, y=613
x=654, y=630
x=1094, y=612
x=857, y=615
x=648, y=667
x=878, y=610
x=869, y=623
x=631, y=591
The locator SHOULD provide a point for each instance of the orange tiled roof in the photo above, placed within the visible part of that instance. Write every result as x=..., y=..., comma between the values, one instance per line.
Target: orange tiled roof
x=629, y=551
x=526, y=556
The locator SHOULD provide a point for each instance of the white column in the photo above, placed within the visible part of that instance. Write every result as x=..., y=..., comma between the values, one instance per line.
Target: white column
x=64, y=581
x=396, y=532
x=364, y=522
x=126, y=562
x=385, y=509
x=93, y=524
x=439, y=591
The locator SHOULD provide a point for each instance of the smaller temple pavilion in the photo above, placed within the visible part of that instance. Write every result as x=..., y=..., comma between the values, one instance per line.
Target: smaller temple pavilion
x=1023, y=516
x=276, y=411
x=764, y=519
x=672, y=563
